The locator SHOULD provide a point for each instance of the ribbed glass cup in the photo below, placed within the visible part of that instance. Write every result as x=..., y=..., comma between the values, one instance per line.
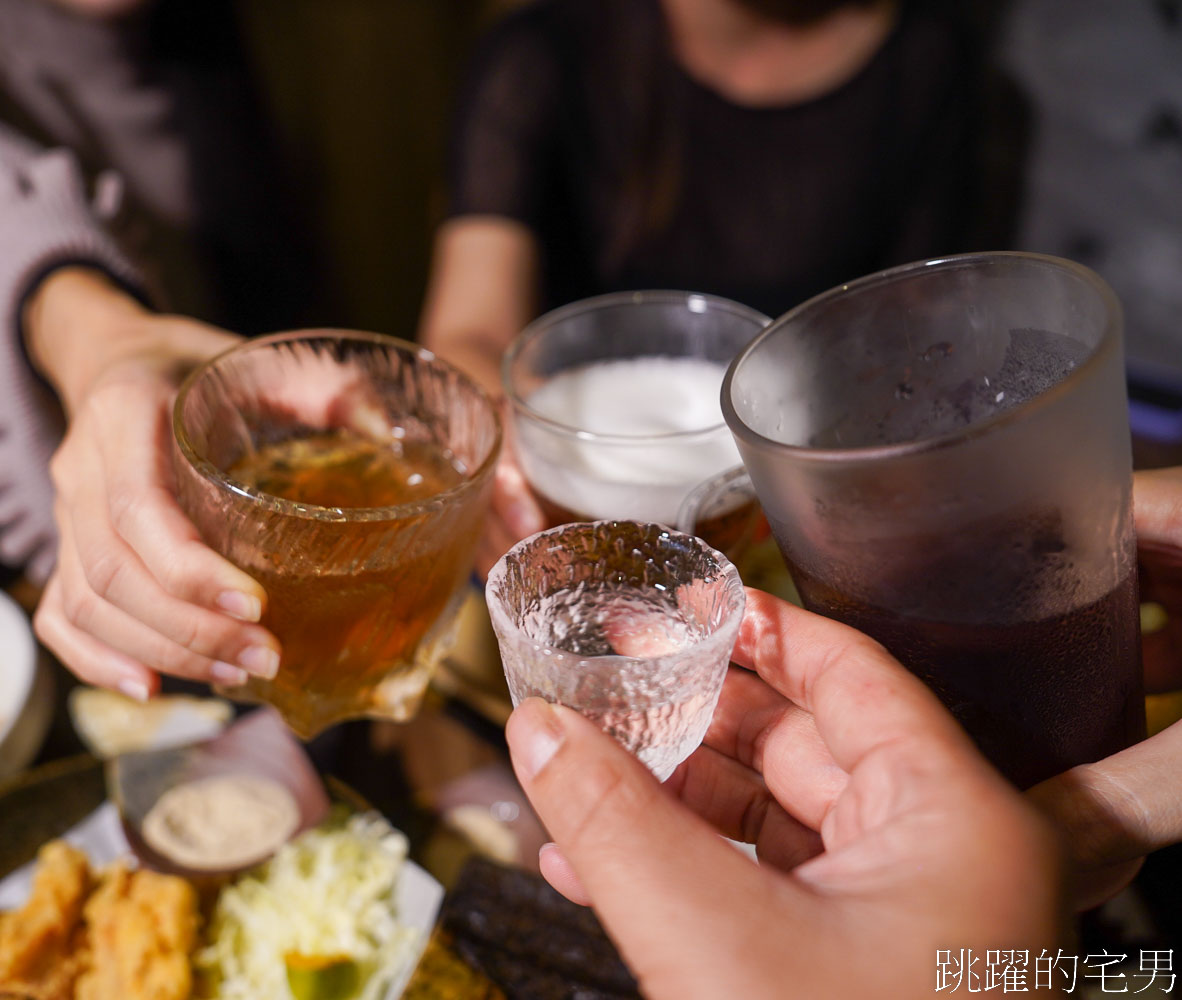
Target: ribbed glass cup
x=361, y=597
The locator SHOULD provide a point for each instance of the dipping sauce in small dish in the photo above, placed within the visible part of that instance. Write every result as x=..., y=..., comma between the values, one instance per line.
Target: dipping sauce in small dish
x=220, y=806
x=222, y=822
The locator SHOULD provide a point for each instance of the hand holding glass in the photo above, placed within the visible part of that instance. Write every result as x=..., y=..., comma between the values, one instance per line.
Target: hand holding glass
x=349, y=473
x=942, y=451
x=629, y=623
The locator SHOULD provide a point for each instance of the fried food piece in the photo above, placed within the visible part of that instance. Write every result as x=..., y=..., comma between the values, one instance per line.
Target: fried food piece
x=142, y=928
x=128, y=939
x=42, y=945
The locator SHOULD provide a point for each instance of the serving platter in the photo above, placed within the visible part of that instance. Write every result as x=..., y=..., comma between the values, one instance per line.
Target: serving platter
x=68, y=800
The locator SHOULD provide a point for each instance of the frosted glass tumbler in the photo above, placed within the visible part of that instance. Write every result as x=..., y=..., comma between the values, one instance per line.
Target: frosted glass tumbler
x=942, y=451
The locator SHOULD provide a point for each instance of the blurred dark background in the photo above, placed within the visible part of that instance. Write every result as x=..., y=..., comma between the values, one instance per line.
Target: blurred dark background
x=360, y=93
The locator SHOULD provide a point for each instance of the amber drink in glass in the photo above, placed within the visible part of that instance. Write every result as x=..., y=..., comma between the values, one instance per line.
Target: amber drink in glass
x=349, y=473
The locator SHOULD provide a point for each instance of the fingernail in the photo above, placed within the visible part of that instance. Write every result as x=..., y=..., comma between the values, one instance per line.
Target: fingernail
x=136, y=690
x=244, y=607
x=262, y=661
x=227, y=674
x=534, y=734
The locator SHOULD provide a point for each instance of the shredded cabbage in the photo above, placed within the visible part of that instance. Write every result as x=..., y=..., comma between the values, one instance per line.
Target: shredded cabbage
x=328, y=892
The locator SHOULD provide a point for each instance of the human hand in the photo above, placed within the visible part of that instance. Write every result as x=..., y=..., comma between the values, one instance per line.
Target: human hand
x=135, y=591
x=514, y=513
x=826, y=744
x=1117, y=810
x=1157, y=513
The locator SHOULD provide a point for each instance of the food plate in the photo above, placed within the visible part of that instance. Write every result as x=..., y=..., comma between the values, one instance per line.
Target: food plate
x=49, y=804
x=26, y=690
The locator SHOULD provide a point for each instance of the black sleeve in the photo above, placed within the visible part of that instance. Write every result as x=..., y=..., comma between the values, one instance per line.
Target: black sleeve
x=941, y=97
x=506, y=122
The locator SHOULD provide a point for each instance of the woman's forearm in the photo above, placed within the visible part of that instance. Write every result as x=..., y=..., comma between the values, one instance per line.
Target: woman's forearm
x=74, y=324
x=483, y=290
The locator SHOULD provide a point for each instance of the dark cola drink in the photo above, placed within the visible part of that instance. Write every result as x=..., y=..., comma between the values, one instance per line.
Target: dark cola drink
x=1038, y=697
x=942, y=452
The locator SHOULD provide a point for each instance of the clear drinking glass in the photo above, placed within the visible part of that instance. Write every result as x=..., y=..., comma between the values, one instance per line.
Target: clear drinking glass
x=349, y=473
x=942, y=452
x=629, y=623
x=615, y=404
x=725, y=505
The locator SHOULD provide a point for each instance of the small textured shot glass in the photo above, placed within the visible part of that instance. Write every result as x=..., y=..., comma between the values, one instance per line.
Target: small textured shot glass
x=627, y=622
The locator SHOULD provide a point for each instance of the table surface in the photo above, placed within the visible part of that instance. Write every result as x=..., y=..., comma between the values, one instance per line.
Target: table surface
x=444, y=779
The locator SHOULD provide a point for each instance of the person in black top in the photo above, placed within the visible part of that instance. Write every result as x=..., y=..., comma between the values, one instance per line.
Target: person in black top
x=757, y=149
x=763, y=150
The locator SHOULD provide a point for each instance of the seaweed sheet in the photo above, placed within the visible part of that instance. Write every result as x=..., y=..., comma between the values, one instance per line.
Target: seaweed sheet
x=533, y=943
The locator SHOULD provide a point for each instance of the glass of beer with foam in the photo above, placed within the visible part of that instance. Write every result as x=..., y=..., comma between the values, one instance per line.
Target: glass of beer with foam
x=349, y=473
x=615, y=407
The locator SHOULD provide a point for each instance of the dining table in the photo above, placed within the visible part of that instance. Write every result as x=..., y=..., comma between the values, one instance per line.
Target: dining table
x=444, y=779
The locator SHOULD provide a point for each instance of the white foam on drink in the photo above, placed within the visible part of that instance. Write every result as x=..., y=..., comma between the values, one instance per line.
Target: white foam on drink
x=635, y=396
x=644, y=479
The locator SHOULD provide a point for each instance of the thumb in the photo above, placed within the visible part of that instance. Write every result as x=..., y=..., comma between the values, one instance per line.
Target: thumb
x=679, y=902
x=1115, y=811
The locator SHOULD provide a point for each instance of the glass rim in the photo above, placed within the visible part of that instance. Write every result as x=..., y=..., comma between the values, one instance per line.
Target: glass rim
x=691, y=503
x=394, y=512
x=728, y=573
x=1108, y=343
x=539, y=326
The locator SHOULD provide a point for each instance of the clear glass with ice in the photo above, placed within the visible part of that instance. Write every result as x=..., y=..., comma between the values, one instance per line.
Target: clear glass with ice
x=627, y=622
x=942, y=451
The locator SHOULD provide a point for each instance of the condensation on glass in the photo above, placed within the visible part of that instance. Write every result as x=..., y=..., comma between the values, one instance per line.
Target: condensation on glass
x=942, y=451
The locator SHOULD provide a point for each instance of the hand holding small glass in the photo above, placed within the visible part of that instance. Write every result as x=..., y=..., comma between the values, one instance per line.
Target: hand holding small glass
x=882, y=834
x=629, y=623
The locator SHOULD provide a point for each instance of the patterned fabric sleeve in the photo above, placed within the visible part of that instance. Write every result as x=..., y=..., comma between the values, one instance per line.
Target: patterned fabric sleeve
x=47, y=220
